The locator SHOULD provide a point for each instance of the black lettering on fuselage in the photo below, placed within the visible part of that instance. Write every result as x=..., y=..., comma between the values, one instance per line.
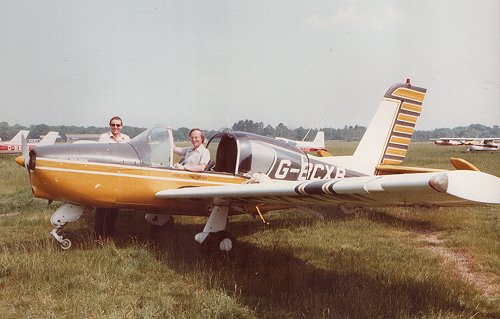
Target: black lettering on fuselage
x=287, y=170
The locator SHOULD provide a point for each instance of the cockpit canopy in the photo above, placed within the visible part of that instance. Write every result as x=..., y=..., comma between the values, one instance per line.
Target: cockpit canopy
x=246, y=153
x=238, y=153
x=154, y=147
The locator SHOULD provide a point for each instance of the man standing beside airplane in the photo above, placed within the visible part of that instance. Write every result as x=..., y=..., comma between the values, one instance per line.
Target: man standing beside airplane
x=114, y=135
x=105, y=217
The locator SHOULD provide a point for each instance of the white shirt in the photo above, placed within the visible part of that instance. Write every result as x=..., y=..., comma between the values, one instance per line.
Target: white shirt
x=108, y=137
x=200, y=155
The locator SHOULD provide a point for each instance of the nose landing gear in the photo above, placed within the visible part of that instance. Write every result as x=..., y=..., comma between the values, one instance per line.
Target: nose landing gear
x=67, y=213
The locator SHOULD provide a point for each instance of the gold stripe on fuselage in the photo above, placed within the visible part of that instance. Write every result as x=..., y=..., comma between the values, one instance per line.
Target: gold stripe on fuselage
x=106, y=185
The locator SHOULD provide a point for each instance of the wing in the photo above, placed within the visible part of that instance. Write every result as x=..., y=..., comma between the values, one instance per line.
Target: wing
x=449, y=188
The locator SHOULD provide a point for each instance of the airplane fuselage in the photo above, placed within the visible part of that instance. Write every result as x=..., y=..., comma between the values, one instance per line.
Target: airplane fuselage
x=8, y=148
x=129, y=175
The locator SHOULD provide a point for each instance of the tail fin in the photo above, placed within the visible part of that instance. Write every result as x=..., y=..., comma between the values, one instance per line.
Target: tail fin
x=319, y=140
x=49, y=139
x=387, y=137
x=17, y=138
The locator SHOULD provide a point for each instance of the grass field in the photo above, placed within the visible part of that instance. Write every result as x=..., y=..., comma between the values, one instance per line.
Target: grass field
x=378, y=263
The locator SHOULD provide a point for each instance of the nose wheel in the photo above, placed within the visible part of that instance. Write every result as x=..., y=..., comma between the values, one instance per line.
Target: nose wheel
x=64, y=243
x=65, y=214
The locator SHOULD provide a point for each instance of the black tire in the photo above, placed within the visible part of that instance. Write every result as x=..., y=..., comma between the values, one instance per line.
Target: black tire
x=213, y=240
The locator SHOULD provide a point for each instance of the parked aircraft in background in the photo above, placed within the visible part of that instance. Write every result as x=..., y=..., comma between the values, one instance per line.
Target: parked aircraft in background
x=487, y=144
x=252, y=175
x=474, y=144
x=318, y=145
x=14, y=145
x=456, y=141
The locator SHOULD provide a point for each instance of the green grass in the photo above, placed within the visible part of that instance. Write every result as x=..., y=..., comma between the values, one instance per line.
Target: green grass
x=375, y=263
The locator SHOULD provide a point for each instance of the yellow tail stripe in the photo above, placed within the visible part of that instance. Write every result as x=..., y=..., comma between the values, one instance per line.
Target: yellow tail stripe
x=391, y=161
x=394, y=151
x=403, y=129
x=411, y=107
x=400, y=140
x=407, y=118
x=409, y=94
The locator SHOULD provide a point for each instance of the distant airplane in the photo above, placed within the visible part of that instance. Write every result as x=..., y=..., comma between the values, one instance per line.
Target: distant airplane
x=486, y=144
x=318, y=145
x=454, y=141
x=252, y=175
x=14, y=145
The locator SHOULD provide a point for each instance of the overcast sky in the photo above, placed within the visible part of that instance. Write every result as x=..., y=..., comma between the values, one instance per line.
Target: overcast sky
x=211, y=63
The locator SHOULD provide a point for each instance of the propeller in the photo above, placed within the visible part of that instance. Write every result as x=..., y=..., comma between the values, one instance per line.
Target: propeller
x=26, y=151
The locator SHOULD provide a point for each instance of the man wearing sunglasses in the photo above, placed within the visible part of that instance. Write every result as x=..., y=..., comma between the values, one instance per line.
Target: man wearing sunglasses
x=105, y=217
x=114, y=135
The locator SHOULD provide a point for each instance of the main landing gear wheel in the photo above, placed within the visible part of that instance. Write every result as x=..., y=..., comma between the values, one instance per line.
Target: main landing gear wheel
x=215, y=236
x=220, y=241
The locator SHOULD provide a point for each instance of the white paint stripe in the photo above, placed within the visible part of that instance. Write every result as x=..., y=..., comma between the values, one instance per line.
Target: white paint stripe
x=129, y=175
x=130, y=167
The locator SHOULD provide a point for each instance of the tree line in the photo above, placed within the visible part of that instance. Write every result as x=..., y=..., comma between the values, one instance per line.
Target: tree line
x=348, y=133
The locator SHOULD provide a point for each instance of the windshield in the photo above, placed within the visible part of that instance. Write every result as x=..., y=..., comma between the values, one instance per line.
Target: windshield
x=154, y=147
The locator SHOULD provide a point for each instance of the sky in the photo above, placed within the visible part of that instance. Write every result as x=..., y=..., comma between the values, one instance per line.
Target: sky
x=211, y=63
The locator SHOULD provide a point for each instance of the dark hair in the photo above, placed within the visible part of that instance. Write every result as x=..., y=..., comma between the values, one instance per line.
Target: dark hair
x=202, y=133
x=116, y=118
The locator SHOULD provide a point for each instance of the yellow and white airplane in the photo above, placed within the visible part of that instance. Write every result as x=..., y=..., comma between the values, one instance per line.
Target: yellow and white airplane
x=252, y=175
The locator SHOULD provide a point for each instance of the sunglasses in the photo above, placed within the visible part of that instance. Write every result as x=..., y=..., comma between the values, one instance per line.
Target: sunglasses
x=115, y=125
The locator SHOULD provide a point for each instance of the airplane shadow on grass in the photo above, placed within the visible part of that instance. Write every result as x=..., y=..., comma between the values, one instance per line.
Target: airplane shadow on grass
x=273, y=282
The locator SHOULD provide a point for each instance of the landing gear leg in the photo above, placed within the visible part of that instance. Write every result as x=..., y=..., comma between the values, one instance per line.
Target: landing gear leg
x=214, y=233
x=65, y=214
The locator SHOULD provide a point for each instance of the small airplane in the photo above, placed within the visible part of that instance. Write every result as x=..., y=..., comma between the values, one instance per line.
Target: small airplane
x=450, y=141
x=16, y=140
x=252, y=174
x=14, y=145
x=486, y=144
x=318, y=145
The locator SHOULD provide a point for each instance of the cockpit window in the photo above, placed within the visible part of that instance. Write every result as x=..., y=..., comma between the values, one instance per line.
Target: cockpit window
x=264, y=158
x=155, y=147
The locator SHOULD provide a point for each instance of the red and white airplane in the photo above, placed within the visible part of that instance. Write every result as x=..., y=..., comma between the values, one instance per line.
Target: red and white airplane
x=14, y=145
x=456, y=141
x=449, y=141
x=252, y=175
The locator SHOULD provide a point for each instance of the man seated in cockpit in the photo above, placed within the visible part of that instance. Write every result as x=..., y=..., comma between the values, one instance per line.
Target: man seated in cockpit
x=196, y=158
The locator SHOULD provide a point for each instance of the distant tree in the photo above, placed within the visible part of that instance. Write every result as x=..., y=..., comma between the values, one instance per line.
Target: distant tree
x=38, y=130
x=283, y=131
